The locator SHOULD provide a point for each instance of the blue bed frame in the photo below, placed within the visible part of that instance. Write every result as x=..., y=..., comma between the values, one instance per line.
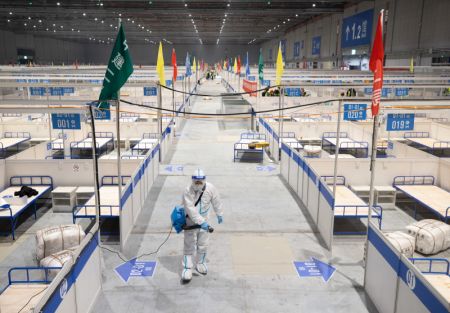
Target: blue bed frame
x=28, y=181
x=340, y=180
x=243, y=153
x=439, y=149
x=25, y=135
x=359, y=149
x=419, y=180
x=75, y=146
x=430, y=262
x=106, y=181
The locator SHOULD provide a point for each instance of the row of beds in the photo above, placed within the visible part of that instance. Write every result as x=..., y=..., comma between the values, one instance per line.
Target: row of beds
x=347, y=206
x=421, y=189
x=105, y=145
x=26, y=285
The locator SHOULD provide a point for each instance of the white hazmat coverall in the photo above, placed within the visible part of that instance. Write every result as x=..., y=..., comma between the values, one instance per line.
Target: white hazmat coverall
x=197, y=239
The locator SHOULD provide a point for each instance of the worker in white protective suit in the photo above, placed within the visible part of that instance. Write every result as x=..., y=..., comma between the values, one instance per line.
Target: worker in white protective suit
x=198, y=198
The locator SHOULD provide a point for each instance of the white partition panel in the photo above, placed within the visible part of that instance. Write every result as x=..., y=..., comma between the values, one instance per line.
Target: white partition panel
x=293, y=171
x=313, y=194
x=325, y=213
x=381, y=271
x=126, y=213
x=89, y=283
x=285, y=160
x=305, y=184
x=300, y=175
x=136, y=198
x=69, y=304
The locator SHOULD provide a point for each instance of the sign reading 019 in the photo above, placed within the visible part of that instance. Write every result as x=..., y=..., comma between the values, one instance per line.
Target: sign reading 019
x=400, y=121
x=66, y=121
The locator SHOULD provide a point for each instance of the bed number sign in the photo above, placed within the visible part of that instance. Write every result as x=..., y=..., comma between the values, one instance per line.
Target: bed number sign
x=66, y=121
x=400, y=121
x=355, y=111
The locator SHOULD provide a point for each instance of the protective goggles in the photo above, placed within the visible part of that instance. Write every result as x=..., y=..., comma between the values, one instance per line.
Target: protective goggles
x=199, y=182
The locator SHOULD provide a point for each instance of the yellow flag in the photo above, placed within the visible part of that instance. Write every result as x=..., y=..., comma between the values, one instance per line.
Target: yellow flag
x=411, y=65
x=160, y=66
x=235, y=66
x=224, y=65
x=194, y=66
x=280, y=66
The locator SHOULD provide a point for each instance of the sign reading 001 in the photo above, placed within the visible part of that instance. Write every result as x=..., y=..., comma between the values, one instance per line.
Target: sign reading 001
x=400, y=121
x=66, y=121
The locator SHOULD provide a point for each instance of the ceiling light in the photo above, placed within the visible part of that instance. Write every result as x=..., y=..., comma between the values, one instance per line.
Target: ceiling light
x=9, y=21
x=40, y=21
x=314, y=5
x=46, y=29
x=103, y=22
x=54, y=31
x=54, y=25
x=284, y=22
x=58, y=3
x=78, y=31
x=84, y=14
x=110, y=25
x=226, y=15
x=228, y=5
x=29, y=17
x=62, y=26
x=296, y=15
x=34, y=26
x=10, y=13
x=73, y=29
x=95, y=19
x=289, y=20
x=132, y=22
x=190, y=14
x=101, y=4
x=139, y=25
x=185, y=4
x=120, y=14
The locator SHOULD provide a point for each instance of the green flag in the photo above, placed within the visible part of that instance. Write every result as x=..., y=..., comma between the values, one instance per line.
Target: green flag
x=120, y=67
x=261, y=67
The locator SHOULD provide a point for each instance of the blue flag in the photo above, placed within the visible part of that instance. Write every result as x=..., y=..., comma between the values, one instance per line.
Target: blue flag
x=230, y=62
x=188, y=66
x=247, y=67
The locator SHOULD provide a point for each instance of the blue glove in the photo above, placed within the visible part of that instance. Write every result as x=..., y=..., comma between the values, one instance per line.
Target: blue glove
x=220, y=219
x=204, y=226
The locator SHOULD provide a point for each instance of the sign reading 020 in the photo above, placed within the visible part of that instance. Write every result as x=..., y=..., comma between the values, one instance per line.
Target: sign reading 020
x=66, y=121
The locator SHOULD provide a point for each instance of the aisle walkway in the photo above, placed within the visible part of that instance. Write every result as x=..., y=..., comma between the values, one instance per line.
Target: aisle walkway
x=251, y=255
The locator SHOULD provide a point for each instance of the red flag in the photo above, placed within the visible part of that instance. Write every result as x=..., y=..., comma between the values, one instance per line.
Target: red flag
x=377, y=49
x=376, y=66
x=239, y=65
x=174, y=64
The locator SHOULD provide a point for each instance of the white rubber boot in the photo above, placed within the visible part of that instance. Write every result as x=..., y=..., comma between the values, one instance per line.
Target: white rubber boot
x=201, y=264
x=186, y=274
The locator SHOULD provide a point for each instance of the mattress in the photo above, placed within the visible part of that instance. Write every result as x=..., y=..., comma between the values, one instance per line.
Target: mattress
x=441, y=283
x=346, y=197
x=354, y=144
x=9, y=142
x=432, y=196
x=87, y=143
x=16, y=296
x=109, y=196
x=17, y=208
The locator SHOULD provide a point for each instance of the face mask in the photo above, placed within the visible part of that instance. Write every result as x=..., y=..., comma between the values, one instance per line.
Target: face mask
x=198, y=187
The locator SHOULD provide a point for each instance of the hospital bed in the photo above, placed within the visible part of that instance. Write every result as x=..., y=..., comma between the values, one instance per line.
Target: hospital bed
x=148, y=141
x=26, y=290
x=423, y=141
x=289, y=139
x=42, y=184
x=243, y=150
x=423, y=191
x=127, y=155
x=109, y=201
x=83, y=149
x=359, y=149
x=126, y=117
x=12, y=140
x=347, y=205
x=437, y=273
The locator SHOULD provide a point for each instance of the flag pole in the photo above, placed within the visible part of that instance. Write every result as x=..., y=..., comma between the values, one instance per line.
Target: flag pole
x=373, y=157
x=119, y=164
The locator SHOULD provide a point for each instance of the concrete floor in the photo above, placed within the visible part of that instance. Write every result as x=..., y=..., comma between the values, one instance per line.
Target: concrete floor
x=263, y=222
